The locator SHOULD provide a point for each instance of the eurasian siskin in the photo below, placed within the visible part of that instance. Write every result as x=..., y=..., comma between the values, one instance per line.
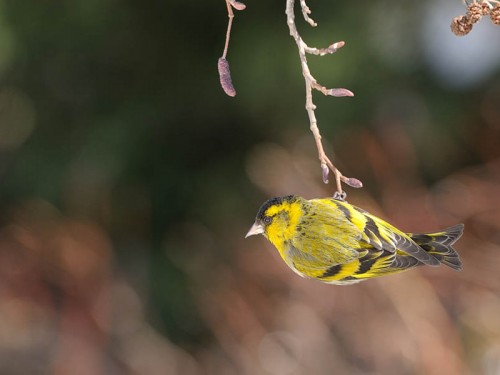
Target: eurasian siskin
x=334, y=242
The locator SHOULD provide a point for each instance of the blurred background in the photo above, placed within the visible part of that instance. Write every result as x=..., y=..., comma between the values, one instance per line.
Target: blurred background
x=128, y=180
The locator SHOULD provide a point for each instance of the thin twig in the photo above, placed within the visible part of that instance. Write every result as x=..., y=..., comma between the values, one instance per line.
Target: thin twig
x=223, y=65
x=310, y=84
x=306, y=12
x=230, y=15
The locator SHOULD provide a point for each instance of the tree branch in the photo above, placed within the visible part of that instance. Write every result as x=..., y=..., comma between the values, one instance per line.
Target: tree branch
x=310, y=84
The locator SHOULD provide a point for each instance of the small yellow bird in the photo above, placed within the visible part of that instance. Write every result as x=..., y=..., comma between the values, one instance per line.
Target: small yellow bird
x=334, y=242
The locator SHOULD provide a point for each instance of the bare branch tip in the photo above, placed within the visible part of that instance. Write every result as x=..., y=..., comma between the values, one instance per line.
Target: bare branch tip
x=237, y=5
x=339, y=92
x=326, y=172
x=306, y=12
x=353, y=182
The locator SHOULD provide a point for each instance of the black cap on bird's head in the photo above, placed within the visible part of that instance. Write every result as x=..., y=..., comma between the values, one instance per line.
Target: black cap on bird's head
x=263, y=219
x=273, y=202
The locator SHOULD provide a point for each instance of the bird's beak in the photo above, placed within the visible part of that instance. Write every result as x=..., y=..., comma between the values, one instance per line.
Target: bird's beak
x=255, y=229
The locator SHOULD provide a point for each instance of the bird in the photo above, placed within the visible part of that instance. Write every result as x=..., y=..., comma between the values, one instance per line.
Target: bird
x=330, y=240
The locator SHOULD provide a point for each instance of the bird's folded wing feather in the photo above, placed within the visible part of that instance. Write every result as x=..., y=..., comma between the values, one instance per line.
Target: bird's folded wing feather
x=327, y=238
x=381, y=235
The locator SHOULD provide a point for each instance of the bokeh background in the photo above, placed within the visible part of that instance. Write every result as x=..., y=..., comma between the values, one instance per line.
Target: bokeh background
x=128, y=181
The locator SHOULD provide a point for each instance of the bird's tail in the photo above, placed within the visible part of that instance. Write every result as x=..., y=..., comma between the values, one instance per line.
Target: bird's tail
x=439, y=245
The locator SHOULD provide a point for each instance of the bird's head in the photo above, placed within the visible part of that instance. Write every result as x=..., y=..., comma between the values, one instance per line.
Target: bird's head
x=277, y=219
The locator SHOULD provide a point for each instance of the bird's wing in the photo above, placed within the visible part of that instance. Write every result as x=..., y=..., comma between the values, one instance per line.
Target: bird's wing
x=326, y=237
x=384, y=236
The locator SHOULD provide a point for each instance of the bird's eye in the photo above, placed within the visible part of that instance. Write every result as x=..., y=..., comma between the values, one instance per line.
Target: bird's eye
x=267, y=220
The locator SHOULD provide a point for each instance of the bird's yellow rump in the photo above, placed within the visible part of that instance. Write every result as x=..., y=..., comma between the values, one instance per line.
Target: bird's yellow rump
x=334, y=242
